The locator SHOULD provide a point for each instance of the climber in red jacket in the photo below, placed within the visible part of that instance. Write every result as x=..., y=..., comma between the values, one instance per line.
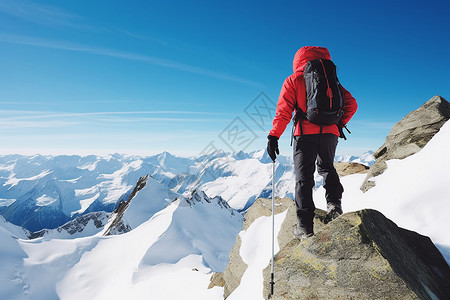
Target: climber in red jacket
x=312, y=143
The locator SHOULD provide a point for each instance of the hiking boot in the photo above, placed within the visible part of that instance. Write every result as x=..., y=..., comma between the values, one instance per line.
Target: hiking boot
x=333, y=211
x=301, y=233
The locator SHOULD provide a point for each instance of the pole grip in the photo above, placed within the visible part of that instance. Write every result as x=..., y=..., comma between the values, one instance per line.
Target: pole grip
x=271, y=284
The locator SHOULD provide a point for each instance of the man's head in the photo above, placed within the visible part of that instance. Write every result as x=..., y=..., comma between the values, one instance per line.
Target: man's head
x=308, y=53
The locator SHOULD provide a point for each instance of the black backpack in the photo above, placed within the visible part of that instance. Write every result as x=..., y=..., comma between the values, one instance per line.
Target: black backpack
x=323, y=94
x=324, y=103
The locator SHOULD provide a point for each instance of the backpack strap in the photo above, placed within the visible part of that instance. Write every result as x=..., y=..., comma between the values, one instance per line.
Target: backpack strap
x=329, y=91
x=298, y=117
x=341, y=130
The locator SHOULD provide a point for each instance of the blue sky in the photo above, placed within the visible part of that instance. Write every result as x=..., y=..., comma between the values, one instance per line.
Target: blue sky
x=143, y=77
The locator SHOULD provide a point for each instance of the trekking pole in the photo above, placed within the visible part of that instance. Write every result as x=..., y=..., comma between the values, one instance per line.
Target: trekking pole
x=273, y=228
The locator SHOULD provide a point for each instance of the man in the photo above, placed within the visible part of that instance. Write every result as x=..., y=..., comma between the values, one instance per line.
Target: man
x=312, y=143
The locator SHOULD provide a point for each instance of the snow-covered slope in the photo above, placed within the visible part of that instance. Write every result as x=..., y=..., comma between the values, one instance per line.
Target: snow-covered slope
x=12, y=284
x=202, y=225
x=166, y=257
x=13, y=230
x=169, y=256
x=152, y=198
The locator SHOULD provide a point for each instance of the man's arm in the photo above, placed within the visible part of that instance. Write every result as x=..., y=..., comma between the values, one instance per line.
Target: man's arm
x=285, y=108
x=350, y=105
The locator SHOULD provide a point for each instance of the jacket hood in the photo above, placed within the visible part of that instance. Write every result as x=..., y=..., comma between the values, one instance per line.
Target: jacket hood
x=308, y=53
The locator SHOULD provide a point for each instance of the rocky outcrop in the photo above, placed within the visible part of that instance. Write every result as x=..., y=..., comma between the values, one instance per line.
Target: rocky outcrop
x=198, y=196
x=409, y=135
x=360, y=255
x=349, y=168
x=217, y=280
x=99, y=219
x=117, y=226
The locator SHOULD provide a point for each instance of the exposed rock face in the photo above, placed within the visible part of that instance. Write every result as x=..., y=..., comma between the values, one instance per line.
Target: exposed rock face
x=409, y=135
x=360, y=255
x=348, y=168
x=216, y=280
x=117, y=226
x=99, y=220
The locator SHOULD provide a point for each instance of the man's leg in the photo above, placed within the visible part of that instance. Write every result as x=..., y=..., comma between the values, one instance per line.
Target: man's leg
x=325, y=167
x=305, y=154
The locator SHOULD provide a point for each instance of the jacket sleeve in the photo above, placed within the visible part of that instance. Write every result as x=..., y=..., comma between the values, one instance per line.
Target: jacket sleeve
x=285, y=108
x=350, y=105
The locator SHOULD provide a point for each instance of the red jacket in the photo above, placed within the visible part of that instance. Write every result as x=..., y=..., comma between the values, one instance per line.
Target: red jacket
x=294, y=90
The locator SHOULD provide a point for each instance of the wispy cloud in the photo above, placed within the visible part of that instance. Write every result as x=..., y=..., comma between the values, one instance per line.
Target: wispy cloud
x=54, y=104
x=142, y=37
x=42, y=14
x=16, y=119
x=64, y=45
x=8, y=125
x=7, y=113
x=374, y=124
x=25, y=114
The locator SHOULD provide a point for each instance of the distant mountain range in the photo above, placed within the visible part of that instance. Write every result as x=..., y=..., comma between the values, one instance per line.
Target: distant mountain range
x=365, y=159
x=44, y=192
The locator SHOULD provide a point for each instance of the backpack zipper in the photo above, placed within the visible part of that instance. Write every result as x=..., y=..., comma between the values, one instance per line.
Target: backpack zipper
x=329, y=91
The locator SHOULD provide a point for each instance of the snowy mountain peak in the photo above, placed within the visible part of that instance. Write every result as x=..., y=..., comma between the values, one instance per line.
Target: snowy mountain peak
x=199, y=196
x=366, y=158
x=165, y=156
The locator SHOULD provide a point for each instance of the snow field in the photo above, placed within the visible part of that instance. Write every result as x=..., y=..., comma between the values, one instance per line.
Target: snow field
x=107, y=270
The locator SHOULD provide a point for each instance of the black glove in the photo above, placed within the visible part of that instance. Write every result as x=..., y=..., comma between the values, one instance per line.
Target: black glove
x=272, y=147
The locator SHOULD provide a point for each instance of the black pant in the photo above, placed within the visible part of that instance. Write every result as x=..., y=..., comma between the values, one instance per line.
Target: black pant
x=308, y=149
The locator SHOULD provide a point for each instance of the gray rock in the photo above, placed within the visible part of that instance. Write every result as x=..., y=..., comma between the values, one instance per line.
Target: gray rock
x=216, y=280
x=349, y=168
x=360, y=255
x=77, y=225
x=409, y=136
x=235, y=269
x=117, y=226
